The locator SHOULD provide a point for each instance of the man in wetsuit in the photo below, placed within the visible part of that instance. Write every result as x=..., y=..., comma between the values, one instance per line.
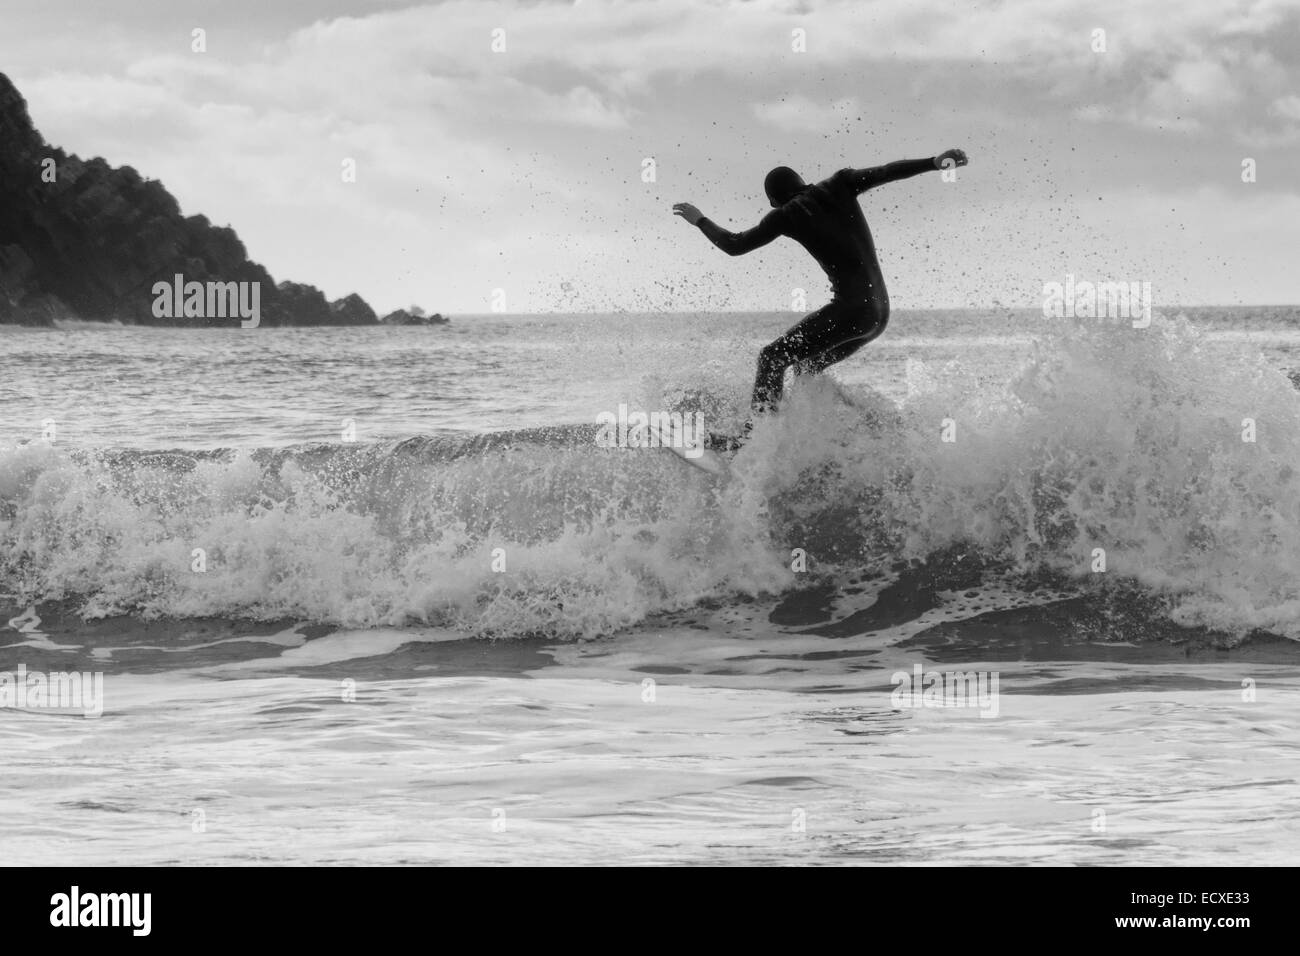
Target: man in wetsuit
x=825, y=219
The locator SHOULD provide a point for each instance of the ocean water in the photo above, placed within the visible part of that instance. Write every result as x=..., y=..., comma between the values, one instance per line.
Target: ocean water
x=375, y=595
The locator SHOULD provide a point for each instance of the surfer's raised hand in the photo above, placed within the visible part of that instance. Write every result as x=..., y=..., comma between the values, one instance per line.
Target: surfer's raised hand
x=949, y=158
x=688, y=212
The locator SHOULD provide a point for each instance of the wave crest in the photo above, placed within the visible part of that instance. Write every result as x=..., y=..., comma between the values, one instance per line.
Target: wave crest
x=1112, y=438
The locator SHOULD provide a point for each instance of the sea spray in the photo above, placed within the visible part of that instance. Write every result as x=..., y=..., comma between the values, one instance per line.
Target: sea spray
x=1124, y=440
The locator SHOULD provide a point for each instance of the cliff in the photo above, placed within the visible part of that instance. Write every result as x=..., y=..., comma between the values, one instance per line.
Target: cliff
x=82, y=239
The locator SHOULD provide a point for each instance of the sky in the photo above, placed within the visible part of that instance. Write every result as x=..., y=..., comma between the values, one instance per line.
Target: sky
x=519, y=178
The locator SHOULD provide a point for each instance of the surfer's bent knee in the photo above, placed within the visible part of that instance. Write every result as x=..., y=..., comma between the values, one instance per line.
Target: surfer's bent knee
x=864, y=321
x=866, y=312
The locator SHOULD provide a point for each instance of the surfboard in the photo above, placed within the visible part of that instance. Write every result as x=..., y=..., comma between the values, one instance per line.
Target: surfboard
x=703, y=457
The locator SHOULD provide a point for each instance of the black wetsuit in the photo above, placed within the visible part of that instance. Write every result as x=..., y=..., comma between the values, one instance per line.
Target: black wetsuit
x=825, y=219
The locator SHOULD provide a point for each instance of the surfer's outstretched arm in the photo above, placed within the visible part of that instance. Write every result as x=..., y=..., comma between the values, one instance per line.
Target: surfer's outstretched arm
x=864, y=179
x=732, y=243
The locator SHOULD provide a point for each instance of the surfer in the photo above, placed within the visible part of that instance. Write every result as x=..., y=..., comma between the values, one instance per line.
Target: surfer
x=826, y=220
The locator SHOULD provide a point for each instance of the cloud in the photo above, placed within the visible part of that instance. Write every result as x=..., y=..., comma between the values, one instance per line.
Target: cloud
x=1288, y=107
x=524, y=148
x=579, y=106
x=800, y=113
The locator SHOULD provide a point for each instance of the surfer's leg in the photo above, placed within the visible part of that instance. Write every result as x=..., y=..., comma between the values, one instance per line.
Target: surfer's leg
x=829, y=335
x=824, y=360
x=858, y=323
x=837, y=353
x=802, y=341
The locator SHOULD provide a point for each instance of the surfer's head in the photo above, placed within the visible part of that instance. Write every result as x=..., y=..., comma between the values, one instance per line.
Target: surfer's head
x=783, y=184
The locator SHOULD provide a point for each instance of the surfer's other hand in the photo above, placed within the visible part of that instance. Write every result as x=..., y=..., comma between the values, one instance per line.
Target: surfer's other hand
x=950, y=158
x=688, y=212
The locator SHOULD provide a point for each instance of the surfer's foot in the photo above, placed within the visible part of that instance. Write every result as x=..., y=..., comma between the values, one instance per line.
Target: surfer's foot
x=730, y=443
x=725, y=444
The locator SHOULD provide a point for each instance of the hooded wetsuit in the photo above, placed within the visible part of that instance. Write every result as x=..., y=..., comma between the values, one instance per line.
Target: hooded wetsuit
x=825, y=219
